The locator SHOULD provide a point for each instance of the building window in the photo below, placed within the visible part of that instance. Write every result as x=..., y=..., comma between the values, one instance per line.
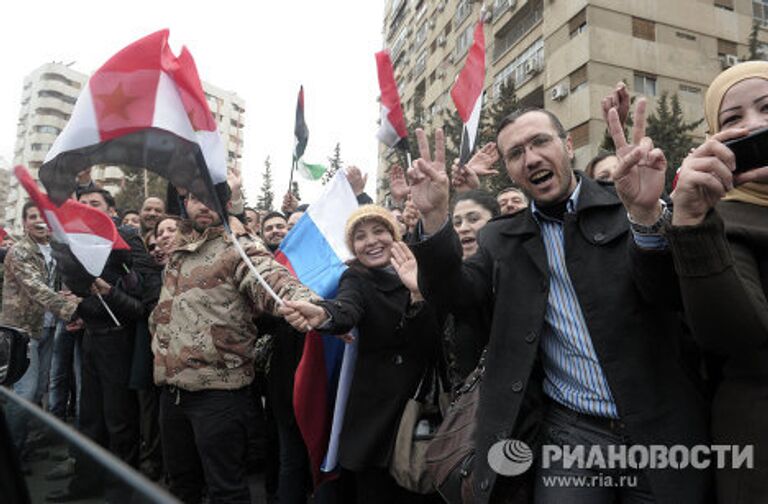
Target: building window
x=41, y=147
x=578, y=78
x=52, y=112
x=690, y=92
x=462, y=11
x=501, y=6
x=431, y=77
x=580, y=135
x=726, y=47
x=724, y=4
x=53, y=130
x=645, y=84
x=686, y=36
x=463, y=41
x=644, y=29
x=421, y=36
x=578, y=23
x=447, y=29
x=525, y=66
x=398, y=45
x=45, y=93
x=421, y=64
x=520, y=24
x=760, y=11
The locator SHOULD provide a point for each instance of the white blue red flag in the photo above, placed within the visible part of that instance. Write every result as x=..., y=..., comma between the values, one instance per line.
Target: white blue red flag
x=315, y=251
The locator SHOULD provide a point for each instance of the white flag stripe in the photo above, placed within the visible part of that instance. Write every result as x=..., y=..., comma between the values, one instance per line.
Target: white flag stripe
x=387, y=133
x=84, y=129
x=169, y=109
x=330, y=213
x=91, y=250
x=474, y=121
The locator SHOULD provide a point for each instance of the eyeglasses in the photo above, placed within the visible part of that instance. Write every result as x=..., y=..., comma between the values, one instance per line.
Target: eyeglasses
x=541, y=141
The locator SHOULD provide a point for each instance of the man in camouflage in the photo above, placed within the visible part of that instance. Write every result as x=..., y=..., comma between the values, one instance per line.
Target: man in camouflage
x=31, y=303
x=203, y=342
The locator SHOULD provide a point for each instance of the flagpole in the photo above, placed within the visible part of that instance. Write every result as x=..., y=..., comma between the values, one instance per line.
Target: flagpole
x=251, y=266
x=106, y=307
x=294, y=165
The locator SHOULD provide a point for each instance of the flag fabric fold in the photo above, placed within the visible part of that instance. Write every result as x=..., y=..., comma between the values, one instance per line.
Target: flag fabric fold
x=467, y=92
x=393, y=131
x=144, y=108
x=315, y=251
x=300, y=131
x=311, y=171
x=89, y=234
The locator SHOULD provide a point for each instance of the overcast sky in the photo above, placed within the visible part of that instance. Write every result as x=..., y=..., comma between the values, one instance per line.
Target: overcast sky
x=262, y=51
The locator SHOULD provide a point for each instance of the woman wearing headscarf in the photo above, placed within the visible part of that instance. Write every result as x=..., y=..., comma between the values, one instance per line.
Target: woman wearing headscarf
x=719, y=241
x=398, y=338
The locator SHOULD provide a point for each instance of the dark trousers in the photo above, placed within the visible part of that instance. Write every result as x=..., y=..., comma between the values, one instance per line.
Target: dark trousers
x=294, y=483
x=376, y=486
x=108, y=408
x=573, y=485
x=151, y=455
x=204, y=437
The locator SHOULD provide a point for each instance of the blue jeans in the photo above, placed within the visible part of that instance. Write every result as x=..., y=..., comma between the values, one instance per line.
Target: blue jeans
x=27, y=387
x=65, y=364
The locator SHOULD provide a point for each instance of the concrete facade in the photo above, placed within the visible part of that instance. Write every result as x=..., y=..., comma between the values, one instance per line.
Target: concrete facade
x=48, y=97
x=566, y=55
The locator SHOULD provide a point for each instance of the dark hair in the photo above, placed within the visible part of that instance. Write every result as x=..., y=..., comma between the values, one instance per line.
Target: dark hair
x=165, y=217
x=108, y=199
x=270, y=215
x=589, y=170
x=251, y=209
x=26, y=207
x=481, y=197
x=510, y=189
x=512, y=117
x=126, y=212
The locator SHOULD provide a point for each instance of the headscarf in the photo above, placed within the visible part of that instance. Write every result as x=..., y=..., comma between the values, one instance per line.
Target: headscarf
x=371, y=212
x=755, y=193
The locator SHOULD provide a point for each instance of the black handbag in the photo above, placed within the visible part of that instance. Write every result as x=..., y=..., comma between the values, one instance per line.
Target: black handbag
x=14, y=358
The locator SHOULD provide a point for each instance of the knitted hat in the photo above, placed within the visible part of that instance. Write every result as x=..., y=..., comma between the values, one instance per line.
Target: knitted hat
x=368, y=213
x=725, y=81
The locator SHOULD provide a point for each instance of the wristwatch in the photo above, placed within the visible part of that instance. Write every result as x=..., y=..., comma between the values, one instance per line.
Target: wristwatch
x=656, y=227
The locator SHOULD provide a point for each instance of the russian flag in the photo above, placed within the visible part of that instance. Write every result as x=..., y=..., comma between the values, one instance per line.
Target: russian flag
x=316, y=252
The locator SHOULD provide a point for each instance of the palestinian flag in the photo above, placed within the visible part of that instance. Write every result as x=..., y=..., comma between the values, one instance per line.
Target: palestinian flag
x=467, y=92
x=300, y=130
x=89, y=234
x=392, y=131
x=144, y=108
x=311, y=171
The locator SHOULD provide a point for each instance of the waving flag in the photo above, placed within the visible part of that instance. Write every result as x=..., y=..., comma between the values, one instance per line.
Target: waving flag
x=143, y=108
x=392, y=131
x=467, y=92
x=300, y=131
x=312, y=171
x=89, y=234
x=315, y=251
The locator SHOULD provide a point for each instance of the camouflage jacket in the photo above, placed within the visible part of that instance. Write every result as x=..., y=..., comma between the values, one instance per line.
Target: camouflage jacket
x=26, y=294
x=203, y=334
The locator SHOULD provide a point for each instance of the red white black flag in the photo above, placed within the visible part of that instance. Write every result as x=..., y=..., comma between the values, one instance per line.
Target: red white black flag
x=393, y=131
x=143, y=108
x=467, y=92
x=89, y=233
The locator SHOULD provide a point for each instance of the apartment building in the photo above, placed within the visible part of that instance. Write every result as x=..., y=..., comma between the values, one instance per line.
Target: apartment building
x=48, y=97
x=566, y=55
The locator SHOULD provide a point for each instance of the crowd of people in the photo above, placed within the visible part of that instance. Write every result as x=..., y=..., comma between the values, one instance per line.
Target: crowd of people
x=609, y=313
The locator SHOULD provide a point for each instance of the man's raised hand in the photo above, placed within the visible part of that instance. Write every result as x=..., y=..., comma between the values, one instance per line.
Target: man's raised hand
x=429, y=182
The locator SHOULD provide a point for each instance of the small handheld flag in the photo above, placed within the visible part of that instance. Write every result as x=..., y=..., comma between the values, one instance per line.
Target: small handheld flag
x=467, y=93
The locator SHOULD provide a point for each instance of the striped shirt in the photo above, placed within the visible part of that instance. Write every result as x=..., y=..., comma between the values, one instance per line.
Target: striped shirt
x=573, y=376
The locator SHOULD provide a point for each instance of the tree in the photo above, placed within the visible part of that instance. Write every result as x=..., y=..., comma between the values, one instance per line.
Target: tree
x=131, y=195
x=494, y=111
x=334, y=164
x=753, y=43
x=267, y=196
x=671, y=133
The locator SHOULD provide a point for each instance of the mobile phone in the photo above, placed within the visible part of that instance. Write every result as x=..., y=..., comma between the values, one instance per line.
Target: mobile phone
x=751, y=151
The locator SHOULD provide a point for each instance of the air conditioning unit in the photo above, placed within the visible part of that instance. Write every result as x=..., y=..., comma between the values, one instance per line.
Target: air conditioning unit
x=559, y=92
x=440, y=74
x=531, y=67
x=449, y=58
x=441, y=41
x=729, y=60
x=431, y=23
x=441, y=6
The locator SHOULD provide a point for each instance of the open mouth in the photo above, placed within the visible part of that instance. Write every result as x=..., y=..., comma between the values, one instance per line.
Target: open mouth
x=541, y=177
x=375, y=253
x=467, y=241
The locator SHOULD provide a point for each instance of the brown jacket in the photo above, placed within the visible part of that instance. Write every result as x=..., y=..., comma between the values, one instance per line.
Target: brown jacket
x=203, y=330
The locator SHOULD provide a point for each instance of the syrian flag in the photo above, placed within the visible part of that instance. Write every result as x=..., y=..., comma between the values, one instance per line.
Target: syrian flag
x=89, y=234
x=467, y=92
x=392, y=131
x=144, y=108
x=300, y=131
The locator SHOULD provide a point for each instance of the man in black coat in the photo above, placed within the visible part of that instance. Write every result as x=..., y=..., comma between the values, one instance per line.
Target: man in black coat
x=577, y=354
